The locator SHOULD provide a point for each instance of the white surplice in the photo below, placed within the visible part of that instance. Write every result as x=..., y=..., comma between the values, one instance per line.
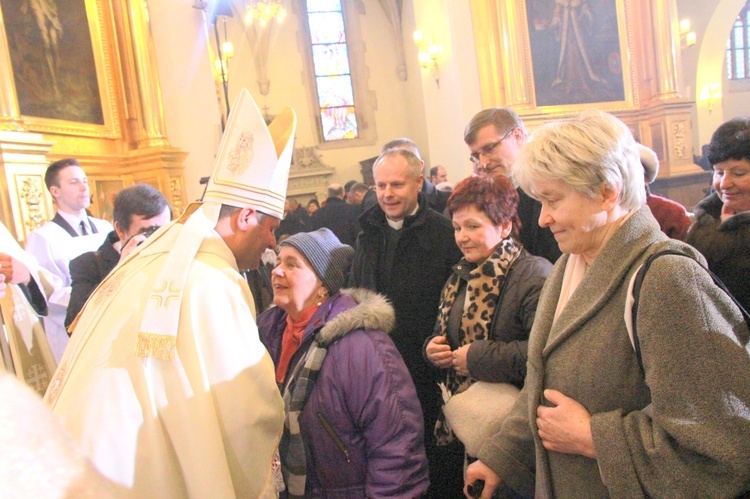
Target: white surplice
x=203, y=424
x=54, y=248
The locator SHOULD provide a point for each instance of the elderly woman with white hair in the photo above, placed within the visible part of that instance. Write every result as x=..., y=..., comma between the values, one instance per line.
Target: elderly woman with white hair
x=596, y=417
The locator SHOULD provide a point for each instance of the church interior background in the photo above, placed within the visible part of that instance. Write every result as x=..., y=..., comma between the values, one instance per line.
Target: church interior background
x=142, y=94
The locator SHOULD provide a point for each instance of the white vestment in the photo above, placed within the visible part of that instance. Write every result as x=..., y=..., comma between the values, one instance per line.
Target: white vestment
x=205, y=423
x=38, y=459
x=54, y=248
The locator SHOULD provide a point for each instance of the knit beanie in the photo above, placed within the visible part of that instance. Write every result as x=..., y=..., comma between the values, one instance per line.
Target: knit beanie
x=329, y=258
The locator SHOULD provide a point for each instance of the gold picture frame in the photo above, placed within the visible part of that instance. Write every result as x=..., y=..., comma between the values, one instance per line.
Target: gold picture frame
x=57, y=68
x=506, y=47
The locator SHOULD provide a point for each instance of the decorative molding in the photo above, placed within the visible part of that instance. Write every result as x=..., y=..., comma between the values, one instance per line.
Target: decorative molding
x=679, y=131
x=308, y=175
x=177, y=194
x=30, y=190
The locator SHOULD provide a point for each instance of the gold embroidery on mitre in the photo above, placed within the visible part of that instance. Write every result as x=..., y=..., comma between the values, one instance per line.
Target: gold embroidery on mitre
x=158, y=346
x=163, y=296
x=242, y=154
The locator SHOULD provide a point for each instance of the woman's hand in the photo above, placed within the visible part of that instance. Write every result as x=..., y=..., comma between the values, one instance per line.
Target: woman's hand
x=439, y=352
x=480, y=471
x=566, y=427
x=460, y=362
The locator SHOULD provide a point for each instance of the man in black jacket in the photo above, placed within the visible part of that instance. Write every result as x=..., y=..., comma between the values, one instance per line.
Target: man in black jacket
x=495, y=137
x=337, y=215
x=406, y=251
x=138, y=211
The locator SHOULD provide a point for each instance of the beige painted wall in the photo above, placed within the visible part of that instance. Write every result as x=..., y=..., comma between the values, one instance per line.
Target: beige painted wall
x=712, y=21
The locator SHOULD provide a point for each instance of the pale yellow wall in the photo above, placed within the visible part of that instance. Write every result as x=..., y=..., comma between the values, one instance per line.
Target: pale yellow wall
x=433, y=116
x=188, y=91
x=705, y=63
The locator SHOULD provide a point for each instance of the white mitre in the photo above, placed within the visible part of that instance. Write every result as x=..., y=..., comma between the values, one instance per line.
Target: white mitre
x=252, y=169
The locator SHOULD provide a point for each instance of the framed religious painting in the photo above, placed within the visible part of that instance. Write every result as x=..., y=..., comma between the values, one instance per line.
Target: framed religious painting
x=555, y=56
x=61, y=55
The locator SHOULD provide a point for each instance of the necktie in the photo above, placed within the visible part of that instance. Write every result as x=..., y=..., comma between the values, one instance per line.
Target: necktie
x=84, y=229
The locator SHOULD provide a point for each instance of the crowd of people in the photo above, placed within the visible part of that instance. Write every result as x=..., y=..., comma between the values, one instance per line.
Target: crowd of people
x=475, y=339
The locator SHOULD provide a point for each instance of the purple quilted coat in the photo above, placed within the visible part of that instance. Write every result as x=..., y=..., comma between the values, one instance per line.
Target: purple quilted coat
x=362, y=425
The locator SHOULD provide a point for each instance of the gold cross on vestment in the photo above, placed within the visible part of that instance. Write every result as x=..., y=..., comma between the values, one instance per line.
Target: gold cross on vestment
x=162, y=295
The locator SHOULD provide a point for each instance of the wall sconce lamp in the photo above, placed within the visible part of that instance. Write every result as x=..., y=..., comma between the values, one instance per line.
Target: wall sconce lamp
x=687, y=37
x=710, y=94
x=428, y=55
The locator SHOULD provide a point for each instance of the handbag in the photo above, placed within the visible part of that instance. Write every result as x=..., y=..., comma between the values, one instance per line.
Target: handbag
x=477, y=413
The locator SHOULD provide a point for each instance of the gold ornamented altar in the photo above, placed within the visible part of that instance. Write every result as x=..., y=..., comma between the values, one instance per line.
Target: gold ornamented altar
x=78, y=79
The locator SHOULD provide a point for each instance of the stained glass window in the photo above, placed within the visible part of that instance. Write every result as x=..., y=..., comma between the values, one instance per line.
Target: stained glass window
x=738, y=46
x=333, y=79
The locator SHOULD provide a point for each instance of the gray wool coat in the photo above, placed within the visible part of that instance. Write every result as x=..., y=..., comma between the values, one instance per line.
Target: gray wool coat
x=696, y=356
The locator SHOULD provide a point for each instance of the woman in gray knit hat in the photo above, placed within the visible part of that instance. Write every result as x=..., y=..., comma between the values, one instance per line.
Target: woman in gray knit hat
x=353, y=421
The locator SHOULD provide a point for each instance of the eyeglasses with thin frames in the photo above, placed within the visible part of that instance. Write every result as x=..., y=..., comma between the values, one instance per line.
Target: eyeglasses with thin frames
x=487, y=150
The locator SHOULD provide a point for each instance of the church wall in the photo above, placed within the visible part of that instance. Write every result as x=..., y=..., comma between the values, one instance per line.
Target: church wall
x=705, y=63
x=190, y=103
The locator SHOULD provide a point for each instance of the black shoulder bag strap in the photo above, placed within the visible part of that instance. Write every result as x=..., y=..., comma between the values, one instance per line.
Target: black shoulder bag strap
x=638, y=281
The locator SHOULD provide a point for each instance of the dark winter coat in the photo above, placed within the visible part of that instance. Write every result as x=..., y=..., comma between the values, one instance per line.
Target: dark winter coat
x=87, y=271
x=425, y=255
x=539, y=241
x=502, y=357
x=725, y=245
x=362, y=425
x=340, y=217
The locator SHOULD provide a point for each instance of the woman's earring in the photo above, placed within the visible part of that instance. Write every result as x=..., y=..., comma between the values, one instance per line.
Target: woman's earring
x=321, y=296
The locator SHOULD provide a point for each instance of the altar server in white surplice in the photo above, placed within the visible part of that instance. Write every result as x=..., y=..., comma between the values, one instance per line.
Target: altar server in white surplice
x=70, y=233
x=165, y=383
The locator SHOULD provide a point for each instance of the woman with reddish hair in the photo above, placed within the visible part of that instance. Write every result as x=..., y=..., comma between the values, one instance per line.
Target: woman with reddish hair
x=488, y=305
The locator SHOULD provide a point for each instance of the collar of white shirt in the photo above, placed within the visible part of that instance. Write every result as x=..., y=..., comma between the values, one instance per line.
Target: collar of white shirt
x=75, y=222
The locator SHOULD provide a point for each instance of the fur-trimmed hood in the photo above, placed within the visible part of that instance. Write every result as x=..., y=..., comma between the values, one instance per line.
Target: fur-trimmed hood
x=372, y=311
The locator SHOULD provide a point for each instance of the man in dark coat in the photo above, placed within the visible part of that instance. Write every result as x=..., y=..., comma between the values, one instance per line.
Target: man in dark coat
x=406, y=251
x=295, y=219
x=138, y=211
x=337, y=215
x=495, y=137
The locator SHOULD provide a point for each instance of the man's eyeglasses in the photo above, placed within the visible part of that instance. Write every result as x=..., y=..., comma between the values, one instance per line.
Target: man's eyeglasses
x=487, y=150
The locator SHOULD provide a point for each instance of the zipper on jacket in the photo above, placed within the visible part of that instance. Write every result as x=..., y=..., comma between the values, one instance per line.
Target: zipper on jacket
x=334, y=436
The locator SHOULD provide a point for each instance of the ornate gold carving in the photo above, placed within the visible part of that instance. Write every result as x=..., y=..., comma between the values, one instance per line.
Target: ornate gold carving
x=32, y=194
x=175, y=190
x=242, y=155
x=679, y=131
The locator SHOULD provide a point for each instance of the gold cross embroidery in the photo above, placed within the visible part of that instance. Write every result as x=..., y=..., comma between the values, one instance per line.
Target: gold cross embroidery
x=162, y=294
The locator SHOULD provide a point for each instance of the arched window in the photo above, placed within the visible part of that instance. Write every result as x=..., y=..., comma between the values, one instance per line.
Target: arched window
x=738, y=47
x=336, y=73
